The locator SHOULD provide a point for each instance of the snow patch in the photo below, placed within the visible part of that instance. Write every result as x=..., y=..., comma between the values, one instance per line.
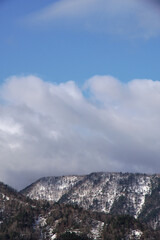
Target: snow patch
x=97, y=230
x=41, y=221
x=135, y=234
x=54, y=236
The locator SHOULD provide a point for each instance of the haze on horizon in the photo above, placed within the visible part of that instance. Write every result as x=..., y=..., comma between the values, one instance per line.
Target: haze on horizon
x=79, y=88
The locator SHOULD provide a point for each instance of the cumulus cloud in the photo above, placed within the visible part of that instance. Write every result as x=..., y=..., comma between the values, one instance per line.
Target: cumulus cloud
x=57, y=129
x=133, y=18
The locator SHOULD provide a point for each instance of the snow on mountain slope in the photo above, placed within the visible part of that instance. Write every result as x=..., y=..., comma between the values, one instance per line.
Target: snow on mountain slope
x=51, y=188
x=23, y=218
x=122, y=193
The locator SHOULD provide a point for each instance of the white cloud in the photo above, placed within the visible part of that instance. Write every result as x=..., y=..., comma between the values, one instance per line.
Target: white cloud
x=133, y=18
x=9, y=127
x=52, y=129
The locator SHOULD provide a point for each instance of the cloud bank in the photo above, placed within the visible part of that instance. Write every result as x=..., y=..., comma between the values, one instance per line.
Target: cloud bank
x=130, y=18
x=54, y=129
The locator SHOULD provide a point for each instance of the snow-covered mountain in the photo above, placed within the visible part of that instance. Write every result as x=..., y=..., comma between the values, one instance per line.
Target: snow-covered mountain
x=115, y=193
x=118, y=194
x=51, y=188
x=26, y=219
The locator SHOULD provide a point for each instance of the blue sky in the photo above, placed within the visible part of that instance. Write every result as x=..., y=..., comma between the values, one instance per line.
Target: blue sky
x=61, y=52
x=79, y=88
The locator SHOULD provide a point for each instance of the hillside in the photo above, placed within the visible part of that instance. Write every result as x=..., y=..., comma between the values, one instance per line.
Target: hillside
x=131, y=194
x=23, y=218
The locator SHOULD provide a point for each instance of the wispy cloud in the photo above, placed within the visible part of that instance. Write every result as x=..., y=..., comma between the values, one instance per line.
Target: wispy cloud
x=133, y=18
x=49, y=129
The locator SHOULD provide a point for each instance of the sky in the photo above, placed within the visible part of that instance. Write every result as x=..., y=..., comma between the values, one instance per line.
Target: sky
x=79, y=88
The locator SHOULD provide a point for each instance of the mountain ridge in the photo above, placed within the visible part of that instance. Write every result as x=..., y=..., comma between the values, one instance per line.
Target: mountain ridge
x=109, y=192
x=28, y=219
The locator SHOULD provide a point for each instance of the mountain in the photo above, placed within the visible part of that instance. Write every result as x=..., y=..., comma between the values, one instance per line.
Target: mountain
x=16, y=215
x=23, y=218
x=51, y=188
x=131, y=194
